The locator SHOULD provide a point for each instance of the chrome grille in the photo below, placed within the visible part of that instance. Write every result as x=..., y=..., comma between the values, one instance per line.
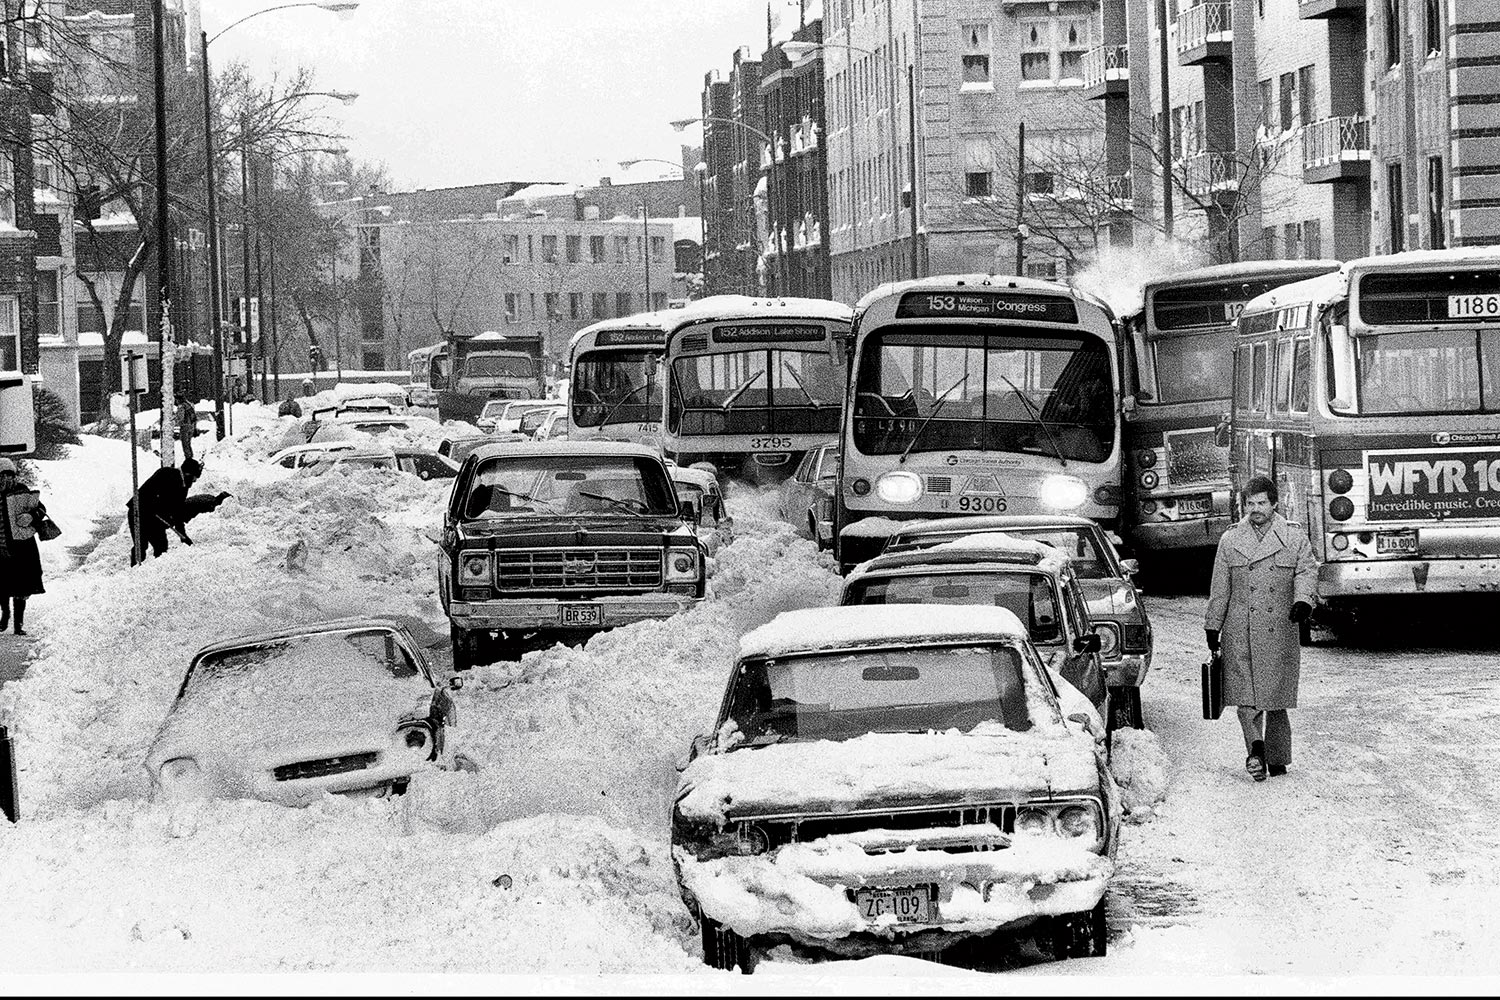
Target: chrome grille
x=1193, y=457
x=939, y=484
x=580, y=568
x=1003, y=816
x=326, y=766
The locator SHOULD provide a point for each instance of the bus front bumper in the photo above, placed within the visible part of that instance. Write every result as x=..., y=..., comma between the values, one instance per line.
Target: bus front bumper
x=1408, y=576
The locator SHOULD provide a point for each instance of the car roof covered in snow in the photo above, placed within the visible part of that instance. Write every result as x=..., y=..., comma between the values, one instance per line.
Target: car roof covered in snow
x=530, y=448
x=312, y=628
x=976, y=550
x=818, y=629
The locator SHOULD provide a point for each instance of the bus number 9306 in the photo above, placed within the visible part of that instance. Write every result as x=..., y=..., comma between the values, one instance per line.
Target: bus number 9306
x=982, y=505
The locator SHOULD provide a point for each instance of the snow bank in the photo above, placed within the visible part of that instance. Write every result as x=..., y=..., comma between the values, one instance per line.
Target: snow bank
x=1139, y=766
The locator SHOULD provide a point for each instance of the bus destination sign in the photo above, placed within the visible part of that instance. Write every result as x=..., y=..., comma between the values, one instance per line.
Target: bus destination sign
x=630, y=338
x=987, y=305
x=776, y=333
x=1428, y=483
x=1460, y=297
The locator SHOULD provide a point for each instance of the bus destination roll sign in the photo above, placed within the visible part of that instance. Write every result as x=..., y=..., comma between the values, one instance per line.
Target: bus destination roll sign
x=988, y=305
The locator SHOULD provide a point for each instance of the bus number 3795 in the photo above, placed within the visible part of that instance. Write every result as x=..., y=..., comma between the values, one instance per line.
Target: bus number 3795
x=771, y=444
x=982, y=505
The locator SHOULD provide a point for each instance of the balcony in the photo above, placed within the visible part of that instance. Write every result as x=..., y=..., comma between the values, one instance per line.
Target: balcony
x=1310, y=10
x=1205, y=34
x=1106, y=71
x=1336, y=149
x=1121, y=192
x=1210, y=173
x=804, y=136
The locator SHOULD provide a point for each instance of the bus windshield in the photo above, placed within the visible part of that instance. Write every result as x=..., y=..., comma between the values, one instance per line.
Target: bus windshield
x=615, y=387
x=1190, y=369
x=499, y=366
x=758, y=391
x=1437, y=371
x=1010, y=390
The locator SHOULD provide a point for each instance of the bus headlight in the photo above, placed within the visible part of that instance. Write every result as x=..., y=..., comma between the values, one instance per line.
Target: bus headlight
x=900, y=487
x=1063, y=492
x=1149, y=480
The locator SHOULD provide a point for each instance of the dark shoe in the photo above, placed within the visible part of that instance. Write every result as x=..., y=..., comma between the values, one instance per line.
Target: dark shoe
x=21, y=631
x=1256, y=762
x=1277, y=770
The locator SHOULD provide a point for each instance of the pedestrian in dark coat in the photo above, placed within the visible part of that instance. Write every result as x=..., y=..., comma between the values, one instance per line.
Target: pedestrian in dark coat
x=1264, y=584
x=187, y=425
x=20, y=562
x=162, y=505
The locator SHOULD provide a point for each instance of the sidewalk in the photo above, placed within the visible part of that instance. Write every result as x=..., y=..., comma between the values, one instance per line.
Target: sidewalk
x=14, y=649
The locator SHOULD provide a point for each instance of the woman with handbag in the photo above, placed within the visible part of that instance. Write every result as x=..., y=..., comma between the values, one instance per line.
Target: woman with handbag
x=20, y=562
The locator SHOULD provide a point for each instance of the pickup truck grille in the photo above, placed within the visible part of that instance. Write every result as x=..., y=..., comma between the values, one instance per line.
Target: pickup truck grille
x=572, y=569
x=326, y=766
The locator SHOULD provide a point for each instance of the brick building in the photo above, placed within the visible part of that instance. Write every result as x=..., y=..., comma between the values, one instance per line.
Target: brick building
x=794, y=184
x=18, y=223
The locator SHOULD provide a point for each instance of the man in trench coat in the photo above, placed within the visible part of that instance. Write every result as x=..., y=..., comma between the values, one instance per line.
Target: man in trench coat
x=1264, y=582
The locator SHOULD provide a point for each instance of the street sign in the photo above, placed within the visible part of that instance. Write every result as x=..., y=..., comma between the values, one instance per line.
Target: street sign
x=17, y=417
x=248, y=311
x=133, y=373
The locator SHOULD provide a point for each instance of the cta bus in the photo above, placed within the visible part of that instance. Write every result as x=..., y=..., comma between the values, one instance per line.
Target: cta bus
x=977, y=394
x=615, y=382
x=753, y=383
x=1371, y=397
x=1178, y=364
x=429, y=369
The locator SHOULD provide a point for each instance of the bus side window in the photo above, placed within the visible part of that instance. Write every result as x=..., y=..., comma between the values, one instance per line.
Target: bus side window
x=1301, y=375
x=1258, y=365
x=1242, y=373
x=1283, y=375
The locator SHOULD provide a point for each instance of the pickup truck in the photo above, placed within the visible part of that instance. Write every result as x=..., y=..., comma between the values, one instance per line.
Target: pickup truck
x=554, y=541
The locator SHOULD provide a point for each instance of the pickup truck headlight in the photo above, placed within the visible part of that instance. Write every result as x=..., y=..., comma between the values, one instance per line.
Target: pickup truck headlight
x=473, y=567
x=682, y=565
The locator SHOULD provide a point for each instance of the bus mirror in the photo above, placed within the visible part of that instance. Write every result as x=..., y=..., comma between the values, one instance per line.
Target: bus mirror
x=1221, y=432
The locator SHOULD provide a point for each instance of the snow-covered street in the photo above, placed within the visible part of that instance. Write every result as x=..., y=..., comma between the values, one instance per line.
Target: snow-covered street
x=1376, y=853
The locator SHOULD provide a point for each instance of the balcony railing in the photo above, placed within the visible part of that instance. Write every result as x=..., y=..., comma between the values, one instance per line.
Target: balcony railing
x=1208, y=172
x=1104, y=64
x=804, y=136
x=1336, y=149
x=1200, y=29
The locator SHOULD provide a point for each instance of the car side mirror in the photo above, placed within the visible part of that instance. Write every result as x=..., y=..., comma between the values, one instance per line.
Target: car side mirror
x=456, y=683
x=1090, y=643
x=1221, y=431
x=702, y=743
x=689, y=511
x=1130, y=566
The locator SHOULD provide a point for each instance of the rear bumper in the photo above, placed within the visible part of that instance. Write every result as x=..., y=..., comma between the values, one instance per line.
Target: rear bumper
x=1408, y=576
x=538, y=613
x=1189, y=533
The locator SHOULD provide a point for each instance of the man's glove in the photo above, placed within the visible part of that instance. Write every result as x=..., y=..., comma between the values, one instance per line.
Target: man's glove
x=1212, y=635
x=1301, y=612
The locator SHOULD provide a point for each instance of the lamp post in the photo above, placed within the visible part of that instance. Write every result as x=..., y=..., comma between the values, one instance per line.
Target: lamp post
x=797, y=50
x=646, y=256
x=771, y=187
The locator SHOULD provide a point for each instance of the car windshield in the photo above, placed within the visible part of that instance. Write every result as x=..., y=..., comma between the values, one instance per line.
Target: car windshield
x=494, y=408
x=1079, y=544
x=1030, y=596
x=499, y=366
x=840, y=696
x=372, y=653
x=569, y=484
x=534, y=419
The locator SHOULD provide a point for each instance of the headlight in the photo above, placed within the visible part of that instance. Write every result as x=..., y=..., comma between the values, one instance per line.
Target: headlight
x=1078, y=821
x=180, y=776
x=1033, y=821
x=1341, y=542
x=742, y=840
x=474, y=568
x=418, y=737
x=1149, y=480
x=1063, y=492
x=899, y=487
x=682, y=564
x=1109, y=638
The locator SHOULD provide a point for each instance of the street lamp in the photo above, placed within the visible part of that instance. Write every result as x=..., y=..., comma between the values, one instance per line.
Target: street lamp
x=646, y=254
x=683, y=123
x=344, y=9
x=795, y=51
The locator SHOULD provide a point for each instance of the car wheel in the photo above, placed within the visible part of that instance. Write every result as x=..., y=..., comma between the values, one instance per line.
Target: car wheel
x=724, y=949
x=465, y=647
x=1125, y=708
x=1082, y=935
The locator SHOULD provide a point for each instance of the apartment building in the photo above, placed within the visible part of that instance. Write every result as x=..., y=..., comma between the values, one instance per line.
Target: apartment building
x=794, y=188
x=731, y=259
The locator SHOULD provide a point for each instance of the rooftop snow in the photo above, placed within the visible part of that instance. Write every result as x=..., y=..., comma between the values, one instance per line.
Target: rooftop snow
x=833, y=628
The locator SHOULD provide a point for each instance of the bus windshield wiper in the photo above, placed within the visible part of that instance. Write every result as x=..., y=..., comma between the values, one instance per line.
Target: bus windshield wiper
x=1037, y=419
x=798, y=379
x=621, y=402
x=741, y=390
x=937, y=407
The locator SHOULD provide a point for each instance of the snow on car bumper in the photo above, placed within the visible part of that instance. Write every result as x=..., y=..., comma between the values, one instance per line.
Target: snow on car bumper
x=806, y=893
x=535, y=613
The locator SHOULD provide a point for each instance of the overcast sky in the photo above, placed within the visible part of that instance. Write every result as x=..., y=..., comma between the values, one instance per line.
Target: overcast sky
x=468, y=91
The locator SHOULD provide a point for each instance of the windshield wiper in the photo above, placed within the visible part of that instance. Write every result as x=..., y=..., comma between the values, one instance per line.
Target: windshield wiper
x=622, y=504
x=524, y=497
x=798, y=379
x=741, y=390
x=937, y=408
x=616, y=407
x=1037, y=419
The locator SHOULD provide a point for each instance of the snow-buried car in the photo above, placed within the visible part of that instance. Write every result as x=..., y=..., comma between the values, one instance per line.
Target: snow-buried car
x=893, y=778
x=560, y=539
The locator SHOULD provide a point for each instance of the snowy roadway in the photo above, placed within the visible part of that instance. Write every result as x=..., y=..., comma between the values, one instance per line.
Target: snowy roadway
x=1376, y=853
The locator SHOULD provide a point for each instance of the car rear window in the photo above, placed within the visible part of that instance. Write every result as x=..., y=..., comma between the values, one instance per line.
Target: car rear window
x=1030, y=596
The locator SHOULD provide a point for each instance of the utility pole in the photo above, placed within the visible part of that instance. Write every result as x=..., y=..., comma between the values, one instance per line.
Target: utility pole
x=260, y=293
x=215, y=273
x=1166, y=120
x=645, y=255
x=1020, y=197
x=911, y=152
x=248, y=334
x=163, y=242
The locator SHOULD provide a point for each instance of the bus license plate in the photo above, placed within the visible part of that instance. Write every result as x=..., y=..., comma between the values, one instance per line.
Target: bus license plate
x=1195, y=505
x=909, y=905
x=1395, y=543
x=580, y=614
x=1474, y=306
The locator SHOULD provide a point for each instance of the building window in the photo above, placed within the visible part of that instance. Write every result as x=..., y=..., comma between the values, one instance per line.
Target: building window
x=596, y=249
x=7, y=190
x=658, y=248
x=1435, y=224
x=575, y=249
x=979, y=167
x=1268, y=242
x=512, y=249
x=512, y=307
x=1396, y=206
x=1072, y=43
x=1047, y=270
x=48, y=305
x=1267, y=103
x=1392, y=33
x=1312, y=238
x=552, y=301
x=91, y=318
x=1433, y=26
x=10, y=333
x=1305, y=95
x=1052, y=50
x=600, y=305
x=622, y=249
x=575, y=305
x=976, y=57
x=1292, y=237
x=1289, y=103
x=1039, y=182
x=622, y=303
x=1036, y=51
x=549, y=249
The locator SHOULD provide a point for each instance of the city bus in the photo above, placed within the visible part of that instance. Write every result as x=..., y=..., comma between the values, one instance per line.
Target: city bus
x=977, y=394
x=1180, y=350
x=1371, y=397
x=429, y=369
x=753, y=383
x=614, y=387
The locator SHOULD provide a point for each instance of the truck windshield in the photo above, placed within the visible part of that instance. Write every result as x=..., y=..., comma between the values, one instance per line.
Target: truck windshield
x=499, y=366
x=840, y=696
x=570, y=484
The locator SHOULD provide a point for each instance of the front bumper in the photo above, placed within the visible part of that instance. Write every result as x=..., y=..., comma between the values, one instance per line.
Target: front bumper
x=1128, y=671
x=1408, y=576
x=796, y=895
x=538, y=613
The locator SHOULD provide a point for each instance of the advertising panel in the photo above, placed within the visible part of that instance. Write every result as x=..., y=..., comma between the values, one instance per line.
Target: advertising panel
x=1428, y=483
